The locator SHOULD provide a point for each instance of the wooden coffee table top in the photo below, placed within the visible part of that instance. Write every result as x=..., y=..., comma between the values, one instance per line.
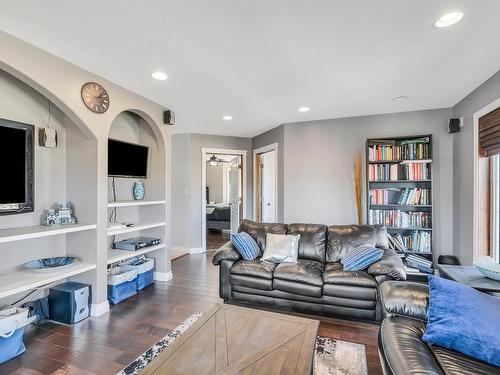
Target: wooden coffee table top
x=236, y=340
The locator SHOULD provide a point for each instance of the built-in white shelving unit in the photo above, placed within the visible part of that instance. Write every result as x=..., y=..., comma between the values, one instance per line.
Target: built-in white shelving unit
x=135, y=228
x=37, y=231
x=134, y=203
x=24, y=280
x=116, y=255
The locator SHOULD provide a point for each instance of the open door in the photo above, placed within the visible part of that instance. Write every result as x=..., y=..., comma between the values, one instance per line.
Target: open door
x=266, y=185
x=235, y=193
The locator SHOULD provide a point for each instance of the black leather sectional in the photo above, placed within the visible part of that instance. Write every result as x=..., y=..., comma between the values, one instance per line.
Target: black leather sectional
x=402, y=351
x=317, y=283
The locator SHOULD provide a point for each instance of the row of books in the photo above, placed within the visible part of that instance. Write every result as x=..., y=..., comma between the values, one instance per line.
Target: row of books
x=400, y=219
x=417, y=242
x=415, y=149
x=415, y=196
x=395, y=172
x=420, y=263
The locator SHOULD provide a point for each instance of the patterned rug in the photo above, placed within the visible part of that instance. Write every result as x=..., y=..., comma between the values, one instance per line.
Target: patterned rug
x=333, y=357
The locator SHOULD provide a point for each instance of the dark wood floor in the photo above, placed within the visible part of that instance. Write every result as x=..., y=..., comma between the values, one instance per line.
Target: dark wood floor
x=106, y=344
x=215, y=238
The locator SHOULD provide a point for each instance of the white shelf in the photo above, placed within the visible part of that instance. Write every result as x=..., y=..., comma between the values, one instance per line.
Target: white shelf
x=134, y=203
x=135, y=228
x=116, y=255
x=37, y=231
x=24, y=280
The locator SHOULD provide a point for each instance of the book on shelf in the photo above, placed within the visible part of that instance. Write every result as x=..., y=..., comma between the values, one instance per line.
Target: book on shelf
x=411, y=149
x=396, y=172
x=406, y=196
x=420, y=263
x=400, y=219
x=412, y=196
x=418, y=242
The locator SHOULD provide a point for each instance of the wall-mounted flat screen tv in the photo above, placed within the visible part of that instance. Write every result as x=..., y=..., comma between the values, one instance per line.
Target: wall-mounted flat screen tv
x=127, y=159
x=16, y=156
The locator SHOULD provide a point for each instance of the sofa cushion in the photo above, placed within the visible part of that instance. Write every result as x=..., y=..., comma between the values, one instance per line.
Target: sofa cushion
x=343, y=238
x=361, y=257
x=304, y=271
x=250, y=282
x=281, y=248
x=401, y=346
x=312, y=244
x=295, y=287
x=258, y=231
x=335, y=274
x=246, y=245
x=254, y=268
x=454, y=363
x=349, y=291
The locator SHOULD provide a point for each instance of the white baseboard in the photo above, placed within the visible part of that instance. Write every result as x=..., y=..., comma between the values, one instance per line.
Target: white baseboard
x=99, y=309
x=196, y=250
x=163, y=276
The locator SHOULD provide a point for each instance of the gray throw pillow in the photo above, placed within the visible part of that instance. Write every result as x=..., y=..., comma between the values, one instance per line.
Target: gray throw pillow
x=281, y=248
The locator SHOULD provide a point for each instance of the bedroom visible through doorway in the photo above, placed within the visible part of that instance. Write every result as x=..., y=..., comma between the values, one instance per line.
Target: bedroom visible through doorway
x=223, y=196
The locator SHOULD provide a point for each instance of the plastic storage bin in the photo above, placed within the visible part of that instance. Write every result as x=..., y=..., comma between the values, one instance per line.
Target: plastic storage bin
x=121, y=283
x=12, y=323
x=145, y=271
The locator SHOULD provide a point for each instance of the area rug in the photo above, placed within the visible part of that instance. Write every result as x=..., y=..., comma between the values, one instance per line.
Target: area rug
x=333, y=357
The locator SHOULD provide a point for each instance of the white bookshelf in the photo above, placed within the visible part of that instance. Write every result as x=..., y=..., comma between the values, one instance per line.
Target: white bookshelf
x=117, y=255
x=134, y=203
x=37, y=231
x=135, y=228
x=24, y=280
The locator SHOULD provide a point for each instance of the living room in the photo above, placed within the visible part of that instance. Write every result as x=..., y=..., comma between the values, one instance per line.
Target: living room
x=304, y=187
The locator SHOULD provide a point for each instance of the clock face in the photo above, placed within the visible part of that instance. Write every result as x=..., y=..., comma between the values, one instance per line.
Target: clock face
x=95, y=97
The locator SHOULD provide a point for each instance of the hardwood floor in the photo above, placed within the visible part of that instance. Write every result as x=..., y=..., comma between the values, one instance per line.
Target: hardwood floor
x=106, y=344
x=215, y=239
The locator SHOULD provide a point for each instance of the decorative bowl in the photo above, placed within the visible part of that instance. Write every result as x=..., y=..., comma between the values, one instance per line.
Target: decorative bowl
x=487, y=266
x=49, y=264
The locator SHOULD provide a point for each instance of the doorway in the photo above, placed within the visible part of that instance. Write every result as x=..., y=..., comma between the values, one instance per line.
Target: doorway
x=223, y=195
x=266, y=184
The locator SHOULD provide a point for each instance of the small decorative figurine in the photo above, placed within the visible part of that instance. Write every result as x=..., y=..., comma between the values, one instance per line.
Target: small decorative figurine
x=138, y=191
x=62, y=215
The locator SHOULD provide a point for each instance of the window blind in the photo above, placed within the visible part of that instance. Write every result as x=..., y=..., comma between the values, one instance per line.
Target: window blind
x=489, y=133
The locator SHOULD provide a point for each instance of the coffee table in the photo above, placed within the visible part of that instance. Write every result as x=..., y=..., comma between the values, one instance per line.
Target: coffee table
x=236, y=340
x=471, y=277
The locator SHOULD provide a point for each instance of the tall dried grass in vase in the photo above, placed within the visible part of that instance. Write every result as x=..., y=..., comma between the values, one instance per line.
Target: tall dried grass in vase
x=358, y=181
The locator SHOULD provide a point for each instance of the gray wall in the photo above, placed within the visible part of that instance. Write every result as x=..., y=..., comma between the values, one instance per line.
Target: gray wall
x=276, y=135
x=463, y=194
x=187, y=147
x=318, y=167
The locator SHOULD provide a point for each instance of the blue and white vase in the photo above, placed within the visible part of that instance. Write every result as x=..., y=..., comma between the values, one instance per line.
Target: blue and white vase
x=139, y=191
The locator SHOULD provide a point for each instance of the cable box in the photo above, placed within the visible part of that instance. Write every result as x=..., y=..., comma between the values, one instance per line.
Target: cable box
x=138, y=243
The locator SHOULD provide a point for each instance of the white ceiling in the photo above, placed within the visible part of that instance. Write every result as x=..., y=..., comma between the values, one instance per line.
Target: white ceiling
x=260, y=60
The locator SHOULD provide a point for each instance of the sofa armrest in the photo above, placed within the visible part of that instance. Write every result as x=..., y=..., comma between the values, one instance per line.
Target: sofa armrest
x=390, y=265
x=226, y=252
x=407, y=299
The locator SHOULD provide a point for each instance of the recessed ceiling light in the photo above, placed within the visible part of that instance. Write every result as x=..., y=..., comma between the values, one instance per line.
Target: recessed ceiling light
x=304, y=109
x=449, y=19
x=227, y=117
x=400, y=98
x=160, y=76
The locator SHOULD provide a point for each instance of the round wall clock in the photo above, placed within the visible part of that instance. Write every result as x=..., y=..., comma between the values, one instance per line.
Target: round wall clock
x=95, y=97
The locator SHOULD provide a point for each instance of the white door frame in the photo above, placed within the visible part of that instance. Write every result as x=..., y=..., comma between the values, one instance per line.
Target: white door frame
x=262, y=150
x=475, y=167
x=210, y=151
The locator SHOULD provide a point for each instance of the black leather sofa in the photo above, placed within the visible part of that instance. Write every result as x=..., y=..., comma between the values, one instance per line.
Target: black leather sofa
x=401, y=349
x=317, y=283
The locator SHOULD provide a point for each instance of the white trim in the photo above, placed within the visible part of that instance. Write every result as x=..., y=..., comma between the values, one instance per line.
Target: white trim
x=475, y=167
x=99, y=309
x=163, y=276
x=263, y=150
x=196, y=250
x=207, y=151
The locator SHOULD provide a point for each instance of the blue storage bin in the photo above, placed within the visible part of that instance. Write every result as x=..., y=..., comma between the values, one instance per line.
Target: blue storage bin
x=12, y=346
x=145, y=271
x=122, y=284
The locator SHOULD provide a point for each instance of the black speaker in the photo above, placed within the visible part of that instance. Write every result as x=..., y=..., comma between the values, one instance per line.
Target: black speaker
x=169, y=117
x=454, y=125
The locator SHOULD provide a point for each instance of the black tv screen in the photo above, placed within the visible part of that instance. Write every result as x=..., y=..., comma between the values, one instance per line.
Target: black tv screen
x=127, y=159
x=16, y=155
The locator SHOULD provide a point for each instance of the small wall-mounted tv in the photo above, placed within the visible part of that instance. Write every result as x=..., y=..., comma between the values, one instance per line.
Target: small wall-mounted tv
x=16, y=155
x=127, y=159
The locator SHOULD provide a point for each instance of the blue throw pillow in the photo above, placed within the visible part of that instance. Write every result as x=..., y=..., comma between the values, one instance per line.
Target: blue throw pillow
x=463, y=319
x=246, y=245
x=361, y=257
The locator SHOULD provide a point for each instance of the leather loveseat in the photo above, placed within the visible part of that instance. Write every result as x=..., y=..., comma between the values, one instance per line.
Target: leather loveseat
x=401, y=349
x=317, y=283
